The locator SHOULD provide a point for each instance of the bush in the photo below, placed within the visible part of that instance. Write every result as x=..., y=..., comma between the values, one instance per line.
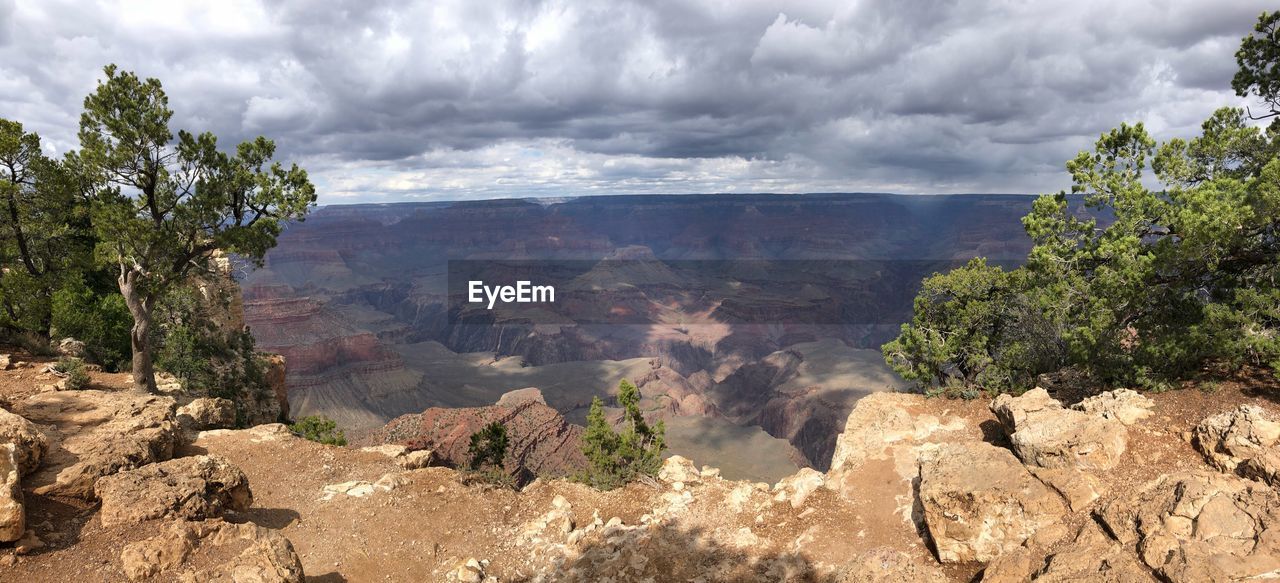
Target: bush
x=618, y=458
x=207, y=360
x=101, y=321
x=488, y=446
x=319, y=429
x=77, y=377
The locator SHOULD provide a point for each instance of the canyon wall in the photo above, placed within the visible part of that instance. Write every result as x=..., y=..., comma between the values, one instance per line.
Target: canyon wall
x=349, y=295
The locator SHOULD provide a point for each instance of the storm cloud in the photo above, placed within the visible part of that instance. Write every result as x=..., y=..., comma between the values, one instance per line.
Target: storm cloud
x=442, y=99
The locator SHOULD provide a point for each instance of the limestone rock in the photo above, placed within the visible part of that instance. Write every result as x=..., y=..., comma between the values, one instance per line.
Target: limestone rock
x=885, y=565
x=1124, y=405
x=30, y=443
x=1093, y=556
x=979, y=501
x=70, y=347
x=1078, y=488
x=208, y=413
x=192, y=488
x=116, y=431
x=797, y=487
x=1045, y=434
x=6, y=362
x=882, y=420
x=1244, y=441
x=12, y=513
x=1200, y=526
x=679, y=469
x=261, y=555
x=417, y=459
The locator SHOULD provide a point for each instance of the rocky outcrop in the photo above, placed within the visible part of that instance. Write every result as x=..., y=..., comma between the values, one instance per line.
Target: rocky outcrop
x=190, y=488
x=1200, y=526
x=1093, y=556
x=114, y=431
x=1045, y=434
x=208, y=413
x=12, y=512
x=257, y=554
x=979, y=501
x=30, y=444
x=541, y=442
x=1124, y=405
x=1245, y=441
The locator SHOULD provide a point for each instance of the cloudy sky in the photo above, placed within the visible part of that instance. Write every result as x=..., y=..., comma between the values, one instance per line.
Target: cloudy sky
x=458, y=99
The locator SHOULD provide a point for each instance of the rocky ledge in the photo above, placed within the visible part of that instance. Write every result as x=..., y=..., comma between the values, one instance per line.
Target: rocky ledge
x=109, y=485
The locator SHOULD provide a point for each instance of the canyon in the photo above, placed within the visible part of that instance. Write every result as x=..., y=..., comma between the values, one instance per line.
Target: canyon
x=742, y=318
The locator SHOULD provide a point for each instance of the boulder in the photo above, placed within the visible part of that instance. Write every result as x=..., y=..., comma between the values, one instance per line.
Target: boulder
x=979, y=501
x=258, y=555
x=30, y=444
x=1045, y=434
x=881, y=421
x=797, y=487
x=115, y=430
x=417, y=459
x=192, y=488
x=679, y=469
x=6, y=362
x=1244, y=441
x=70, y=347
x=208, y=413
x=12, y=513
x=1124, y=405
x=1200, y=526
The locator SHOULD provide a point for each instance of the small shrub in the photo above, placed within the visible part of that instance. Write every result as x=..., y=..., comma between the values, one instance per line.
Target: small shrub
x=319, y=429
x=488, y=446
x=77, y=377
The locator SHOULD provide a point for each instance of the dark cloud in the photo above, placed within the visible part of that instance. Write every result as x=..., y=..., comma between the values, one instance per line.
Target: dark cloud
x=386, y=99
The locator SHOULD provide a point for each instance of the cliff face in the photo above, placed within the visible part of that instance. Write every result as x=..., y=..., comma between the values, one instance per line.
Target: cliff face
x=348, y=297
x=541, y=442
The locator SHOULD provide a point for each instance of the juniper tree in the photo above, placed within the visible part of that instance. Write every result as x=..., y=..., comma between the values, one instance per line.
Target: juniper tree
x=488, y=446
x=616, y=458
x=161, y=205
x=1175, y=276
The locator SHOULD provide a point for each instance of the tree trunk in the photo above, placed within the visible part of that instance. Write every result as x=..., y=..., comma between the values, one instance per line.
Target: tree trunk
x=139, y=303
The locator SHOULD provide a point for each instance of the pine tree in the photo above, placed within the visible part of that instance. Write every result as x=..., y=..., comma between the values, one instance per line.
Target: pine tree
x=488, y=446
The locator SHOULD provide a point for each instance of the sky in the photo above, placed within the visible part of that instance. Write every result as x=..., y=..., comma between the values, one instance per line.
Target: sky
x=409, y=100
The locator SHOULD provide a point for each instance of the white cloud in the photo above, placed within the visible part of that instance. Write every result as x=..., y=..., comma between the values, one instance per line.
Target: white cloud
x=385, y=99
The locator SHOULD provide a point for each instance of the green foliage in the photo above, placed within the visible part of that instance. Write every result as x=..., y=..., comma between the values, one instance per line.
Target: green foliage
x=488, y=446
x=617, y=458
x=161, y=205
x=1257, y=58
x=76, y=376
x=975, y=326
x=319, y=429
x=207, y=360
x=45, y=238
x=99, y=320
x=1177, y=276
